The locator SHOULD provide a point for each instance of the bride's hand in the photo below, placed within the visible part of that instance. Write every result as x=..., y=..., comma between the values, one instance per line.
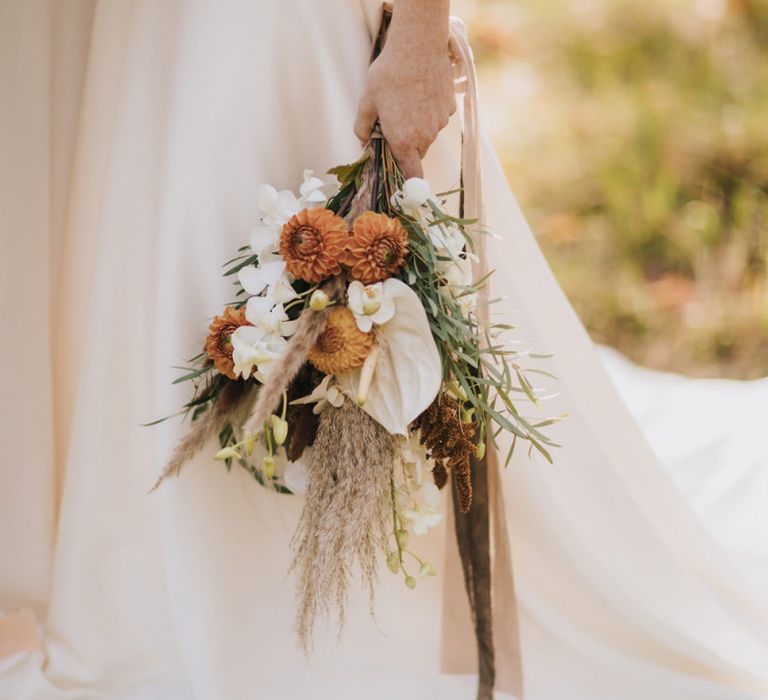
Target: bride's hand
x=409, y=87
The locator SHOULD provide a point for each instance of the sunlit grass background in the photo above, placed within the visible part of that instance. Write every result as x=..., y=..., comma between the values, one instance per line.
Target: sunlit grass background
x=635, y=135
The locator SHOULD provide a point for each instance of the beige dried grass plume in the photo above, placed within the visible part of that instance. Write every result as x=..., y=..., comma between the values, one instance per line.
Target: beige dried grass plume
x=346, y=513
x=285, y=369
x=229, y=401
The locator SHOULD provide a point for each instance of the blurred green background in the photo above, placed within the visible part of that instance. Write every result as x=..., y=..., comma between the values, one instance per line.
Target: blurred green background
x=635, y=136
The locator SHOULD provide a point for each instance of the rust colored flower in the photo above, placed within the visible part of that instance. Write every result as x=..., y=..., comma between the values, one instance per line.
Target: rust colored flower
x=342, y=346
x=377, y=248
x=218, y=345
x=313, y=244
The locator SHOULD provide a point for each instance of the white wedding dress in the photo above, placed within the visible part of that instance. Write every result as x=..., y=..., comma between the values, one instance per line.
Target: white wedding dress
x=133, y=137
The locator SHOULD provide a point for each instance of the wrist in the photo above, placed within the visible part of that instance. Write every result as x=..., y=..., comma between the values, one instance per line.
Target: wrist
x=419, y=28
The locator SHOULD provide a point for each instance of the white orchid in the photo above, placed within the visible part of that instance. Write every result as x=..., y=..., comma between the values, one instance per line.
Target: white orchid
x=413, y=198
x=326, y=393
x=458, y=278
x=311, y=190
x=270, y=276
x=277, y=208
x=263, y=240
x=448, y=241
x=417, y=499
x=282, y=290
x=254, y=348
x=256, y=278
x=424, y=514
x=414, y=456
x=371, y=304
x=265, y=313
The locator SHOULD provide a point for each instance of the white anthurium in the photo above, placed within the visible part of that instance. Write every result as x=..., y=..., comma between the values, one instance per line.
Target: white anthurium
x=265, y=313
x=324, y=394
x=408, y=373
x=413, y=197
x=371, y=304
x=255, y=348
x=312, y=190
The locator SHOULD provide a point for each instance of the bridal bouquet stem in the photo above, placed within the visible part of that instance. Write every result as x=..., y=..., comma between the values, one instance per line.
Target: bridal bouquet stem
x=353, y=366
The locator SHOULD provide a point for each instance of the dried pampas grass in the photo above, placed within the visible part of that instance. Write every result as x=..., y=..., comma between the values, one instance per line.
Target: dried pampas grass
x=229, y=400
x=346, y=513
x=311, y=325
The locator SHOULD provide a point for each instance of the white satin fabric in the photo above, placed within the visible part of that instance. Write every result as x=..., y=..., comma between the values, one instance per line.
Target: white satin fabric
x=133, y=135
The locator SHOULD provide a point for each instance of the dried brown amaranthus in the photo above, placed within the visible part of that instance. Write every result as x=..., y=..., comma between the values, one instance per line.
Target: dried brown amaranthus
x=440, y=475
x=449, y=441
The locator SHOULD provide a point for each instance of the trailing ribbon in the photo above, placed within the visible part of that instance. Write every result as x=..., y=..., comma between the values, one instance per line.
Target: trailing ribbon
x=473, y=539
x=482, y=554
x=481, y=534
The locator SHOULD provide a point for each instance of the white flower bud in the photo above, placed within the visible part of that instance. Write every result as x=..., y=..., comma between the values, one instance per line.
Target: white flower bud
x=250, y=444
x=417, y=191
x=279, y=428
x=268, y=466
x=427, y=569
x=227, y=453
x=319, y=300
x=393, y=562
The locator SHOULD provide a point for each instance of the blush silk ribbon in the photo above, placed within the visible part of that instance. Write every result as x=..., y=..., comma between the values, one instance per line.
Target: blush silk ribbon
x=489, y=580
x=486, y=608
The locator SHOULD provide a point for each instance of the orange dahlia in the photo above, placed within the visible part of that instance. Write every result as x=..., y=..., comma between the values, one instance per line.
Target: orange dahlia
x=342, y=346
x=313, y=243
x=218, y=345
x=377, y=248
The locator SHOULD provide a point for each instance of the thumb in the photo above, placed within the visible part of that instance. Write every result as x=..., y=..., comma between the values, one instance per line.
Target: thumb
x=366, y=117
x=409, y=162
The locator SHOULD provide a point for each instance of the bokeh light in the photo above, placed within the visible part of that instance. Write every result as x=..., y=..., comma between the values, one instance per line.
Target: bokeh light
x=634, y=135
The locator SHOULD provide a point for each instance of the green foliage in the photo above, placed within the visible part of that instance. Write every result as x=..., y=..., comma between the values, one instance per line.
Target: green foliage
x=484, y=373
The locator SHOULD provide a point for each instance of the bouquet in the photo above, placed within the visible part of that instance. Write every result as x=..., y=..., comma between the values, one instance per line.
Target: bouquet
x=354, y=365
